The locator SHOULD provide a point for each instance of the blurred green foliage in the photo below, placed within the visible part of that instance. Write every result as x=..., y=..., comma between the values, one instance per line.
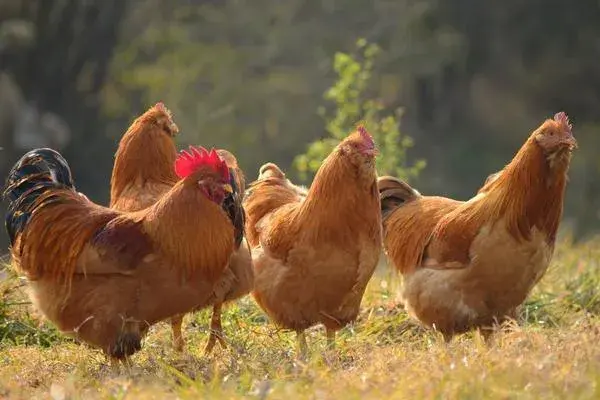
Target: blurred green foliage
x=354, y=74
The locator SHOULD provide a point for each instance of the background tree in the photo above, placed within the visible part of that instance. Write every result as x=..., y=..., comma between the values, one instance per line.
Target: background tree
x=58, y=53
x=352, y=105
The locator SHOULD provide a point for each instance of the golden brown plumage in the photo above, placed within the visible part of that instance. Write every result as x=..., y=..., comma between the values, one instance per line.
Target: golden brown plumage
x=272, y=190
x=101, y=274
x=143, y=173
x=315, y=252
x=238, y=278
x=143, y=169
x=468, y=264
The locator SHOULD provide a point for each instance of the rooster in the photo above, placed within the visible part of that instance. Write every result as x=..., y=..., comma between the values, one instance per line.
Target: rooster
x=471, y=264
x=238, y=277
x=143, y=173
x=103, y=275
x=314, y=252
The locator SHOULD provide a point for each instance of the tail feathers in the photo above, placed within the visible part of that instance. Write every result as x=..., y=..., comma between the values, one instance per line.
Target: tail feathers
x=268, y=193
x=269, y=170
x=394, y=192
x=34, y=174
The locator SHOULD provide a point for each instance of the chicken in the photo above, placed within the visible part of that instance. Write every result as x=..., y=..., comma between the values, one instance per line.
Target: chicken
x=143, y=169
x=238, y=277
x=314, y=252
x=470, y=264
x=143, y=173
x=103, y=275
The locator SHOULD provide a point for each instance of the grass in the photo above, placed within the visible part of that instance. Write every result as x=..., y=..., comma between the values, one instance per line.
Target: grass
x=552, y=352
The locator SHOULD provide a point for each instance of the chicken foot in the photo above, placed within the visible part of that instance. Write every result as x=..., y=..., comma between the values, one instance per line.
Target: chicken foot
x=216, y=330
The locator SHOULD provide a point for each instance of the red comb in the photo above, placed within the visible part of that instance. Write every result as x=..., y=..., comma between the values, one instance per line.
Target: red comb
x=366, y=136
x=195, y=158
x=562, y=119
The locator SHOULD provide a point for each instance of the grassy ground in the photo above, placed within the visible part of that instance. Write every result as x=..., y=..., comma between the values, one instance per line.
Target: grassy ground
x=552, y=352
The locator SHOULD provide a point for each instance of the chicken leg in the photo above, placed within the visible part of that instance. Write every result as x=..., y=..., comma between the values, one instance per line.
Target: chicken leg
x=178, y=341
x=330, y=333
x=302, y=346
x=216, y=330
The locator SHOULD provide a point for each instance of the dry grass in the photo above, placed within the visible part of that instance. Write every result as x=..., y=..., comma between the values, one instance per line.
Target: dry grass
x=552, y=352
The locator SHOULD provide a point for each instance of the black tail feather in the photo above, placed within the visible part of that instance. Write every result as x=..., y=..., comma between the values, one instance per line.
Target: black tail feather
x=35, y=173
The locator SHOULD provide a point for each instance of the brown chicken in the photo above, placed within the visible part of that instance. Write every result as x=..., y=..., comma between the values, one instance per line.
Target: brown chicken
x=314, y=252
x=143, y=173
x=103, y=275
x=471, y=264
x=143, y=169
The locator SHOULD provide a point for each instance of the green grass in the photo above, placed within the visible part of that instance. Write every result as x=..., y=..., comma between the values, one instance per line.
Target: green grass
x=553, y=351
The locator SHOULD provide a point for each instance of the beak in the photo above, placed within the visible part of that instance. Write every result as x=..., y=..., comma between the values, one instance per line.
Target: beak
x=372, y=152
x=228, y=189
x=571, y=142
x=174, y=129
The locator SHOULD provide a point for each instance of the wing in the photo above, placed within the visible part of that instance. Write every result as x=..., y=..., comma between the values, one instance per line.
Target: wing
x=264, y=198
x=409, y=228
x=276, y=231
x=120, y=247
x=450, y=243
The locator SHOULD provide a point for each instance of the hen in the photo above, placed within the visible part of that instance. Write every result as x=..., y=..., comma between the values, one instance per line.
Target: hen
x=103, y=275
x=314, y=252
x=143, y=169
x=471, y=264
x=143, y=173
